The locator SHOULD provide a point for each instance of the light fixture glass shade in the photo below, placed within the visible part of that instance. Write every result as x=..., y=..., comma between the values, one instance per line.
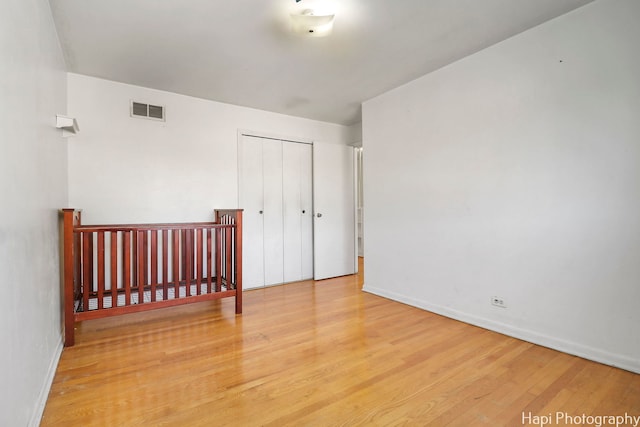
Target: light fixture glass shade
x=311, y=25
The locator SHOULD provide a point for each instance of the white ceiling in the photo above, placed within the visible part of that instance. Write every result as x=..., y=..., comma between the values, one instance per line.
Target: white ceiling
x=242, y=52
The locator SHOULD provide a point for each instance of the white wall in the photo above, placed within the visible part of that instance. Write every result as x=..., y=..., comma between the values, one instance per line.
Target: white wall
x=33, y=174
x=355, y=134
x=515, y=172
x=124, y=169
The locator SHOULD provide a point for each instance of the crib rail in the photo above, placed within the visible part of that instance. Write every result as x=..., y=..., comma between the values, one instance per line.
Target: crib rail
x=125, y=268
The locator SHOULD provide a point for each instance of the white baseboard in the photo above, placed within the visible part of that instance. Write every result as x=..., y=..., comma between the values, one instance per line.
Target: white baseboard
x=570, y=347
x=36, y=417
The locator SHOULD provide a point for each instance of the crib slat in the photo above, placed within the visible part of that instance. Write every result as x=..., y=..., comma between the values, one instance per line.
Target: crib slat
x=176, y=263
x=145, y=257
x=114, y=268
x=183, y=259
x=126, y=266
x=134, y=259
x=218, y=259
x=100, y=292
x=199, y=260
x=227, y=254
x=77, y=275
x=87, y=267
x=165, y=264
x=141, y=267
x=209, y=272
x=154, y=263
x=188, y=261
x=91, y=269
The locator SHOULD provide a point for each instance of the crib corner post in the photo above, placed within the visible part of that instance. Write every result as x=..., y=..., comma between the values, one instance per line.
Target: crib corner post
x=68, y=273
x=236, y=214
x=238, y=256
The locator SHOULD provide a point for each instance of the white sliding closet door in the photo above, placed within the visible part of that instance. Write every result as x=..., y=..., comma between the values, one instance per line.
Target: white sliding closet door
x=297, y=205
x=252, y=201
x=306, y=198
x=275, y=190
x=273, y=211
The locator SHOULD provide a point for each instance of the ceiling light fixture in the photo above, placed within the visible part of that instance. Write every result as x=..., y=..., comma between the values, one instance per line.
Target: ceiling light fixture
x=311, y=23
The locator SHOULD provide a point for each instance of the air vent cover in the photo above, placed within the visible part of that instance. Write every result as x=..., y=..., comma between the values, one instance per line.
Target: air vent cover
x=147, y=111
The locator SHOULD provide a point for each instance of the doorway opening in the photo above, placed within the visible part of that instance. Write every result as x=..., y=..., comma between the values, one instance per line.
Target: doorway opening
x=359, y=203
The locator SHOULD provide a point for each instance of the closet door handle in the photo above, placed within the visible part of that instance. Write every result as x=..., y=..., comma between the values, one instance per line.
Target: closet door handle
x=260, y=212
x=319, y=215
x=303, y=211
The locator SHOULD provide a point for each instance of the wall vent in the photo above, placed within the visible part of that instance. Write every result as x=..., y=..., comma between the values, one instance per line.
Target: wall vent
x=147, y=111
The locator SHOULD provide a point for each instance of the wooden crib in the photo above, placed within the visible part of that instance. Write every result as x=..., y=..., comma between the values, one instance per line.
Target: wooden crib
x=125, y=268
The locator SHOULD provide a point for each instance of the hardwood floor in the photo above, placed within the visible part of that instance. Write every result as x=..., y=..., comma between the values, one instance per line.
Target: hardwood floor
x=320, y=354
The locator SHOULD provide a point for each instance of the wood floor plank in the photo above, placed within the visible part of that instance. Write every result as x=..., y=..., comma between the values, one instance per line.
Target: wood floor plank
x=318, y=354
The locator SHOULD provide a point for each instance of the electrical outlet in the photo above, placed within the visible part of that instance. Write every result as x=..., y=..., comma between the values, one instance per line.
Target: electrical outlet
x=498, y=302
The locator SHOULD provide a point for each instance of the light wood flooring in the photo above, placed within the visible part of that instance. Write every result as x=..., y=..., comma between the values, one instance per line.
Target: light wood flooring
x=319, y=354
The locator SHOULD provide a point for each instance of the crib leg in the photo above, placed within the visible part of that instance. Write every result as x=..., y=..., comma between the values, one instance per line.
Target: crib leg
x=238, y=302
x=69, y=333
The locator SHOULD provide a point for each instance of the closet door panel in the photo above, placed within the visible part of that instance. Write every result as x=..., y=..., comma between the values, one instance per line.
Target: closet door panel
x=275, y=189
x=306, y=200
x=292, y=205
x=273, y=211
x=252, y=201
